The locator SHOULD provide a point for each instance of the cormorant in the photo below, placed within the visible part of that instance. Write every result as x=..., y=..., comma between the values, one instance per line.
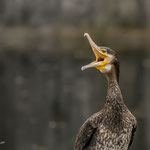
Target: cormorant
x=113, y=127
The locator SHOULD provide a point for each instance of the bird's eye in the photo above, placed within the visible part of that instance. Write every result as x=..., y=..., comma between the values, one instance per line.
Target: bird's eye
x=104, y=51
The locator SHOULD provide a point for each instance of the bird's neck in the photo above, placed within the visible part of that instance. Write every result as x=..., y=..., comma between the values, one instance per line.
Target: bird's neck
x=114, y=96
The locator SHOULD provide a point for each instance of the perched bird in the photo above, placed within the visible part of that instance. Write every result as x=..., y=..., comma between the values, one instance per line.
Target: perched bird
x=113, y=127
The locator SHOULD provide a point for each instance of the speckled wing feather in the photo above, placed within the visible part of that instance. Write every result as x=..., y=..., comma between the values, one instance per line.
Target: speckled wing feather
x=86, y=132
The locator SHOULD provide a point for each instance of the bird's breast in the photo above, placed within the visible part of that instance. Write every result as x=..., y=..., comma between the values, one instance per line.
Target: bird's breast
x=107, y=139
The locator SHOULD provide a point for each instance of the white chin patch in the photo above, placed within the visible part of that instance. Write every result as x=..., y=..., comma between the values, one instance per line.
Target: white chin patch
x=106, y=69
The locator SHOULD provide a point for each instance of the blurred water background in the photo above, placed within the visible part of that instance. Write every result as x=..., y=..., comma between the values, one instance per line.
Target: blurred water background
x=44, y=96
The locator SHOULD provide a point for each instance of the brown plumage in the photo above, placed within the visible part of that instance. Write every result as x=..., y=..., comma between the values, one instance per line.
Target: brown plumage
x=113, y=127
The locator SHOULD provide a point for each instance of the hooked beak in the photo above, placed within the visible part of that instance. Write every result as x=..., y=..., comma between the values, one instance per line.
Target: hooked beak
x=101, y=58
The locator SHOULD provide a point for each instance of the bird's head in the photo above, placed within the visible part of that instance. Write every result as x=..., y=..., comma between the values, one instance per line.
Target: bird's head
x=106, y=58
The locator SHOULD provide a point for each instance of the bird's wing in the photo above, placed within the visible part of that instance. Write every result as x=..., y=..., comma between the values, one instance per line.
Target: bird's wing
x=86, y=131
x=133, y=134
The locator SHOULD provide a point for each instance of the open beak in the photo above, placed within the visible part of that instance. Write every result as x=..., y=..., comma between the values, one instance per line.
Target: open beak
x=101, y=58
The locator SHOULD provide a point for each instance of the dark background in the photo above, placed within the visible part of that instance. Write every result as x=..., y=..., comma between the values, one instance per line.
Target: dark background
x=44, y=96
